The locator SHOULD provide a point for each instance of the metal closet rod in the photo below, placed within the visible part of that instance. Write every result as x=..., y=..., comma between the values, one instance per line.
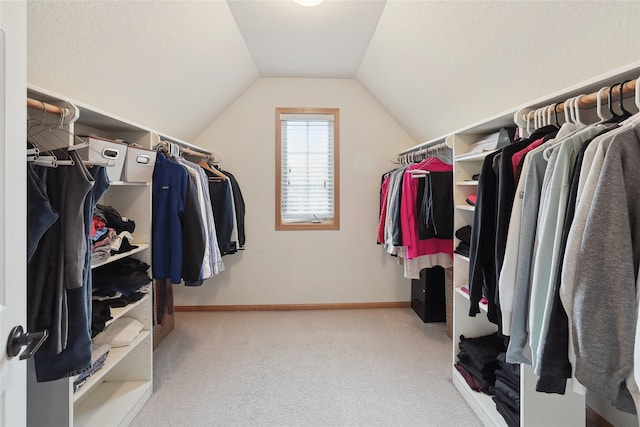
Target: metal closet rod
x=196, y=153
x=427, y=146
x=422, y=151
x=39, y=105
x=592, y=98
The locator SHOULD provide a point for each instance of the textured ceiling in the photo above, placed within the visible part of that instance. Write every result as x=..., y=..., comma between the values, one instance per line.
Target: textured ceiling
x=289, y=40
x=434, y=65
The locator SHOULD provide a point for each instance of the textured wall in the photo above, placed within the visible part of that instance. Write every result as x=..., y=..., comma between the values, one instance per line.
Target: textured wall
x=170, y=66
x=287, y=267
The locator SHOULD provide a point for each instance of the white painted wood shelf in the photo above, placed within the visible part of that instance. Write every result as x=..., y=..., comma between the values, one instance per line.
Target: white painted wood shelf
x=483, y=307
x=116, y=401
x=472, y=157
x=462, y=257
x=465, y=208
x=140, y=247
x=116, y=355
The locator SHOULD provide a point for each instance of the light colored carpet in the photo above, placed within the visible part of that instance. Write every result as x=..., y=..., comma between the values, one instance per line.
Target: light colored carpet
x=379, y=367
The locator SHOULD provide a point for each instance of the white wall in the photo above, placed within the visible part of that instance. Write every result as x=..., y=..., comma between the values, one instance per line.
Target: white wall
x=302, y=267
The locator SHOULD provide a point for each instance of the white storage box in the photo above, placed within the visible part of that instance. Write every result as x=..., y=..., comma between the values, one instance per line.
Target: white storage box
x=102, y=150
x=139, y=164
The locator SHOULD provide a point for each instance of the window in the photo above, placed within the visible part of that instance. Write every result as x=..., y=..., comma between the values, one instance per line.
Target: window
x=307, y=169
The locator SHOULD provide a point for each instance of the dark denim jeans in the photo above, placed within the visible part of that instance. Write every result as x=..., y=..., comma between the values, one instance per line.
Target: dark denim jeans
x=74, y=193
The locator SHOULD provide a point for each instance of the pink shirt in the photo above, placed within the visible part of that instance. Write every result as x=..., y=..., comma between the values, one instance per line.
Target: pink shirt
x=384, y=190
x=408, y=214
x=515, y=160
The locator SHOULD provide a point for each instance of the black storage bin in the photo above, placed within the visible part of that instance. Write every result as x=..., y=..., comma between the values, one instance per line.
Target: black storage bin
x=428, y=295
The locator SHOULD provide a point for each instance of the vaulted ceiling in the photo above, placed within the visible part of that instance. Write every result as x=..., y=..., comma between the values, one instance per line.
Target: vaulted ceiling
x=434, y=65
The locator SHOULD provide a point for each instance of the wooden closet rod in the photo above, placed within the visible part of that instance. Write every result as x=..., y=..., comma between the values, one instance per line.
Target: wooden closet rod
x=592, y=98
x=39, y=105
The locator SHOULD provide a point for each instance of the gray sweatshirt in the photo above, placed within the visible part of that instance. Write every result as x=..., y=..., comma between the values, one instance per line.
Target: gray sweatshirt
x=600, y=300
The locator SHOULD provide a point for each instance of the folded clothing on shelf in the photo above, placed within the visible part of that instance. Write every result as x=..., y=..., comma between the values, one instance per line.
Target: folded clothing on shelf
x=120, y=333
x=479, y=357
x=99, y=355
x=507, y=391
x=464, y=235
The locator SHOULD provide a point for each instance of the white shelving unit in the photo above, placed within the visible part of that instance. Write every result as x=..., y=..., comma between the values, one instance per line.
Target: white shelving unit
x=465, y=167
x=536, y=409
x=115, y=393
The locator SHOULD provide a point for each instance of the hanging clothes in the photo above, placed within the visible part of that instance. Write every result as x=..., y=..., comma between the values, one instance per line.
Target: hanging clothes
x=193, y=234
x=436, y=250
x=58, y=279
x=516, y=269
x=494, y=200
x=212, y=262
x=204, y=209
x=415, y=215
x=239, y=208
x=573, y=215
x=551, y=214
x=222, y=203
x=170, y=187
x=605, y=232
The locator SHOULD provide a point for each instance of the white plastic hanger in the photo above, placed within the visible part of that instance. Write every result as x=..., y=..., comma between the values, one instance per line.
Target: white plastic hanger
x=599, y=104
x=549, y=108
x=576, y=106
x=567, y=107
x=540, y=118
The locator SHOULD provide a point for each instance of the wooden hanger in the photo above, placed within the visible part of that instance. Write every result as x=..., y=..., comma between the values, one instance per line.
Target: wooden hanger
x=204, y=165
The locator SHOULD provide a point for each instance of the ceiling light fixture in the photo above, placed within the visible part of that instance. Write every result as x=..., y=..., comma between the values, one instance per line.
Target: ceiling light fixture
x=309, y=2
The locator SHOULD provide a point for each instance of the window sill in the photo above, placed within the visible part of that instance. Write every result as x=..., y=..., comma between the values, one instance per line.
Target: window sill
x=307, y=226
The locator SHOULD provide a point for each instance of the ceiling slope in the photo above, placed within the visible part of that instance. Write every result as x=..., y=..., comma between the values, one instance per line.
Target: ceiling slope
x=434, y=65
x=438, y=66
x=289, y=40
x=171, y=66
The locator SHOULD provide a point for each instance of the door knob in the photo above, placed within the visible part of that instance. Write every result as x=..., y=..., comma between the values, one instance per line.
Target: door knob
x=18, y=338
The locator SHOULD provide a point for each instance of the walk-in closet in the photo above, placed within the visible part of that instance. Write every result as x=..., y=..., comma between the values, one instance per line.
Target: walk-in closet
x=319, y=213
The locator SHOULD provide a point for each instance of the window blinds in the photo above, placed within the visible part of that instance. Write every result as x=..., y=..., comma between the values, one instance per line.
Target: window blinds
x=307, y=167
